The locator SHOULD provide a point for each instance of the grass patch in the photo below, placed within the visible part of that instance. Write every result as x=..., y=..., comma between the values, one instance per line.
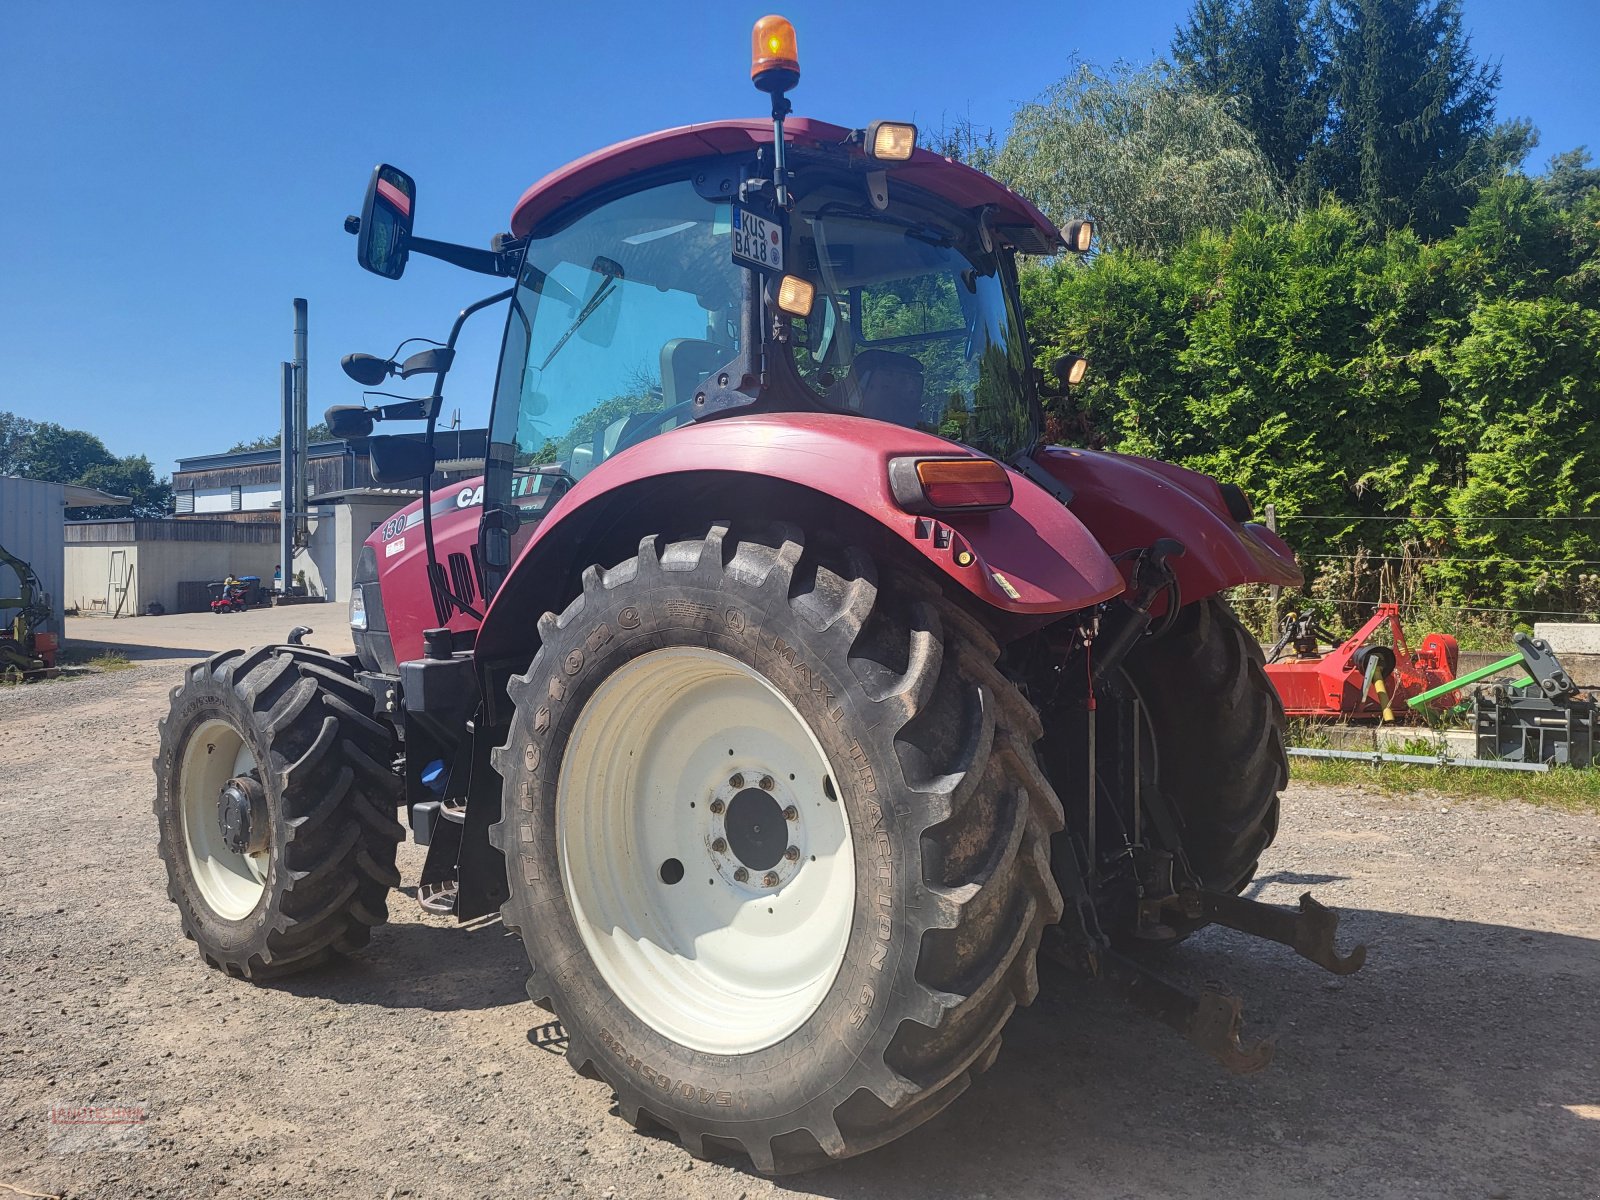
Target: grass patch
x=1561, y=787
x=76, y=662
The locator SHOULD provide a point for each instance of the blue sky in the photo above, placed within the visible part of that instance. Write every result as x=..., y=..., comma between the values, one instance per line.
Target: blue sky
x=173, y=174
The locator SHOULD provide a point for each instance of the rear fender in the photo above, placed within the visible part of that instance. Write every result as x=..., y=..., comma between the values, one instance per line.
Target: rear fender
x=1031, y=561
x=1128, y=502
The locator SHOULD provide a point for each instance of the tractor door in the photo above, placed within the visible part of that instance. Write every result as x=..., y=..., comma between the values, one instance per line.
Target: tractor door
x=618, y=318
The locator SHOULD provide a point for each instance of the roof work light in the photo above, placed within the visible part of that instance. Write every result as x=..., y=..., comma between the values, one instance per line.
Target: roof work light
x=774, y=57
x=1071, y=368
x=891, y=141
x=1079, y=236
x=796, y=296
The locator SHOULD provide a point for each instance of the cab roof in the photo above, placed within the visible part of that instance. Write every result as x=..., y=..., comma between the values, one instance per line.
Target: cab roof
x=1015, y=219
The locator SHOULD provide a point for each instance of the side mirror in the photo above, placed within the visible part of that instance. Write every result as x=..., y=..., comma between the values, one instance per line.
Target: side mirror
x=397, y=459
x=382, y=242
x=366, y=369
x=434, y=361
x=349, y=422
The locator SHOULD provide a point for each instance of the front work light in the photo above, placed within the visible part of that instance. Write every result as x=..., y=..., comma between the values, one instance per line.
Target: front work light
x=796, y=296
x=774, y=57
x=891, y=141
x=922, y=485
x=1071, y=368
x=1080, y=236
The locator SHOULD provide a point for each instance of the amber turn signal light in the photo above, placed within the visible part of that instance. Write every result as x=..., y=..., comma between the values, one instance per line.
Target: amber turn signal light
x=774, y=56
x=923, y=485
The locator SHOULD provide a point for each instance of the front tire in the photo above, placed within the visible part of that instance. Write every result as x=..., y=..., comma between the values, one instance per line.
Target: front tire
x=299, y=865
x=798, y=999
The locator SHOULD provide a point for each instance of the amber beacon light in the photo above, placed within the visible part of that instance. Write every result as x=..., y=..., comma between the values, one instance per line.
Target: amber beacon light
x=774, y=58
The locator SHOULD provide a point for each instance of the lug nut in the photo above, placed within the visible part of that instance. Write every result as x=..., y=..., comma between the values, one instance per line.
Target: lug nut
x=792, y=854
x=791, y=813
x=770, y=879
x=736, y=781
x=720, y=846
x=717, y=806
x=741, y=874
x=767, y=783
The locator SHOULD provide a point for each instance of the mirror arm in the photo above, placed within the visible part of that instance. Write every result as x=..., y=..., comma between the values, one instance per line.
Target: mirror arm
x=501, y=260
x=484, y=262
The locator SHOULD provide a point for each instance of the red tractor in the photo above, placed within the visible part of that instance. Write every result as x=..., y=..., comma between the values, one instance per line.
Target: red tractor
x=776, y=684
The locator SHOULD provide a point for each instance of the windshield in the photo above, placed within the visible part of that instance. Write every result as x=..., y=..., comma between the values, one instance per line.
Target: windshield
x=617, y=320
x=911, y=325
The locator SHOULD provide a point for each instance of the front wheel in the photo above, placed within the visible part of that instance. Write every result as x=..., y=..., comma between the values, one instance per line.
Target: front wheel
x=275, y=803
x=776, y=843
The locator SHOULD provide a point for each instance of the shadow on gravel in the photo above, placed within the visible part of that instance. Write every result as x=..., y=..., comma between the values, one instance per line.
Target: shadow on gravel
x=137, y=653
x=442, y=968
x=1464, y=1060
x=1296, y=879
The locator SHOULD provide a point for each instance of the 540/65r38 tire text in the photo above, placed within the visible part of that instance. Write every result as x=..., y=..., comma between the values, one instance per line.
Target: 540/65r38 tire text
x=777, y=844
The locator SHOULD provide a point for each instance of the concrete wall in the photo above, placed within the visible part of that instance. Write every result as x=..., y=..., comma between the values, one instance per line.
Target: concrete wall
x=337, y=534
x=151, y=571
x=1569, y=637
x=31, y=515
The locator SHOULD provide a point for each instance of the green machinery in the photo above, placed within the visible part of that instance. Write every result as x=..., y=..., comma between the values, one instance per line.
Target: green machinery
x=1543, y=718
x=27, y=651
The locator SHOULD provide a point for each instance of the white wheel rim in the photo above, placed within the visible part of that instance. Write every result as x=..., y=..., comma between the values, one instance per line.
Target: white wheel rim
x=230, y=883
x=715, y=962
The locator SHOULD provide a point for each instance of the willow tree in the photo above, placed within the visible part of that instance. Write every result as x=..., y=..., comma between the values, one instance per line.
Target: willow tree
x=1151, y=159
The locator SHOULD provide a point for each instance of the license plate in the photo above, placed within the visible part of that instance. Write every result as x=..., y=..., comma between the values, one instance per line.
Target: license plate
x=757, y=240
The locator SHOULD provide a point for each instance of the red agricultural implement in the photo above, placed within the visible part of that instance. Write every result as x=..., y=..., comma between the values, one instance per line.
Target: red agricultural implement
x=1358, y=678
x=778, y=684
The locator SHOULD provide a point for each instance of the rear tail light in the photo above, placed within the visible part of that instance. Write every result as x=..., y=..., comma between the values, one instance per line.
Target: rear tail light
x=949, y=484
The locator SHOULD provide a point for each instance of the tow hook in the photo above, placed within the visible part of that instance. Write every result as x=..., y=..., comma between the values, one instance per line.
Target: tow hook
x=1309, y=932
x=1211, y=1020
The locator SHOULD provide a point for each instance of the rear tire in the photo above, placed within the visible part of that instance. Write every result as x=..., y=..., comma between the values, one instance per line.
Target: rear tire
x=292, y=731
x=925, y=878
x=1219, y=733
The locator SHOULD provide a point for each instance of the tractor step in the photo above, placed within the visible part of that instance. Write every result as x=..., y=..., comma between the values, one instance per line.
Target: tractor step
x=438, y=897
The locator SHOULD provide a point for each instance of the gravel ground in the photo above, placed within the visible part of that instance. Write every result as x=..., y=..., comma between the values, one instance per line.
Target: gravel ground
x=1464, y=1061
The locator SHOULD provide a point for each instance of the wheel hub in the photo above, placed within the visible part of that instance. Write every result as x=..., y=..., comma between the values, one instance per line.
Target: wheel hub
x=690, y=796
x=242, y=815
x=757, y=838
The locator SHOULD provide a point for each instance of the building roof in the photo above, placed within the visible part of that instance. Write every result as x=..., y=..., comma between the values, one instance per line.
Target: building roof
x=367, y=493
x=76, y=495
x=954, y=181
x=251, y=458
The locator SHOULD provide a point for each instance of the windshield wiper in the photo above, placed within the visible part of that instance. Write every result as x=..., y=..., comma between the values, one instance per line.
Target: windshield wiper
x=612, y=273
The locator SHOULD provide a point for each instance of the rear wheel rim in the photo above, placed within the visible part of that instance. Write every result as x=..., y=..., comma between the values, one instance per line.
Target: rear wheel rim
x=230, y=883
x=717, y=930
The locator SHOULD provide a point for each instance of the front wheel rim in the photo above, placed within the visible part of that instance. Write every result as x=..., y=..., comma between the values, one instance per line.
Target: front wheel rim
x=231, y=883
x=704, y=850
